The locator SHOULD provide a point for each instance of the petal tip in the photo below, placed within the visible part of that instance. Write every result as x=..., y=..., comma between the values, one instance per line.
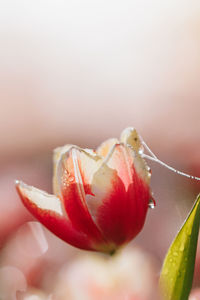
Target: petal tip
x=19, y=185
x=17, y=182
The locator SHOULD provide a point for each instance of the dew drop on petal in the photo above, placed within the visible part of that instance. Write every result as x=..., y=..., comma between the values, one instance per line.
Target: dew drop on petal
x=67, y=178
x=152, y=203
x=149, y=174
x=70, y=178
x=141, y=151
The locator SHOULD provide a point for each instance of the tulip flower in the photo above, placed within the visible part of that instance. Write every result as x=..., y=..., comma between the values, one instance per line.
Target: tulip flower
x=100, y=197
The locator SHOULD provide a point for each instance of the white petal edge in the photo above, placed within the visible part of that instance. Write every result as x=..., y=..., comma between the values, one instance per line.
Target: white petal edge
x=83, y=161
x=106, y=147
x=139, y=163
x=59, y=151
x=40, y=198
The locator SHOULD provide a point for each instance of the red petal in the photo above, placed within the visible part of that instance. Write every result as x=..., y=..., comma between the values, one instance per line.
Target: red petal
x=54, y=220
x=74, y=170
x=122, y=211
x=58, y=152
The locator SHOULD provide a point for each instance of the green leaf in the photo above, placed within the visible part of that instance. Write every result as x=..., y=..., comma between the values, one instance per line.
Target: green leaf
x=178, y=268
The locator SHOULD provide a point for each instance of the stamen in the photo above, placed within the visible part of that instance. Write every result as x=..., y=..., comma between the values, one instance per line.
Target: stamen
x=154, y=158
x=147, y=147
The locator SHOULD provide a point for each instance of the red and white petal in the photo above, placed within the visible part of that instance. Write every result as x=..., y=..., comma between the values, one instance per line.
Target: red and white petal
x=135, y=175
x=75, y=170
x=131, y=139
x=122, y=195
x=122, y=214
x=57, y=154
x=142, y=168
x=105, y=180
x=48, y=210
x=106, y=147
x=86, y=160
x=122, y=159
x=40, y=199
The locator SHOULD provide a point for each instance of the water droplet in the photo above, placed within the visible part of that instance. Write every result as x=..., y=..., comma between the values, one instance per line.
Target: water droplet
x=171, y=260
x=141, y=150
x=71, y=178
x=166, y=272
x=152, y=203
x=64, y=181
x=175, y=253
x=182, y=248
x=67, y=178
x=149, y=174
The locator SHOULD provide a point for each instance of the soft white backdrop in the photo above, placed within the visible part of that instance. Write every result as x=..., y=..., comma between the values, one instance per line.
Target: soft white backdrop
x=80, y=71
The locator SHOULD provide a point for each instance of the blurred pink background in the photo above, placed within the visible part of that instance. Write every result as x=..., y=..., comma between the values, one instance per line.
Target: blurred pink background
x=79, y=72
